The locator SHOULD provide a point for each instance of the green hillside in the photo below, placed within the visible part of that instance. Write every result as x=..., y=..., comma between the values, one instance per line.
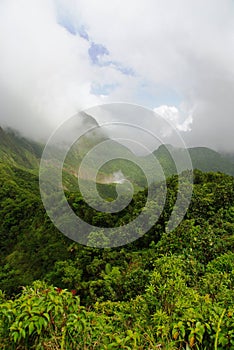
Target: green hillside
x=169, y=290
x=202, y=158
x=206, y=159
x=18, y=151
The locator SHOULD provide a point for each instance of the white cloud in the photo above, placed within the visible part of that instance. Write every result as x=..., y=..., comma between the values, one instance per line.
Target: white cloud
x=45, y=71
x=175, y=117
x=187, y=47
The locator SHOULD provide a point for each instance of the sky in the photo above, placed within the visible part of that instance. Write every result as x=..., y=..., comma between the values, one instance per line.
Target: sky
x=175, y=57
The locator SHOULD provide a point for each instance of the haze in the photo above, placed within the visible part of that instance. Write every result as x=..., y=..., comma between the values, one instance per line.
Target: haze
x=176, y=57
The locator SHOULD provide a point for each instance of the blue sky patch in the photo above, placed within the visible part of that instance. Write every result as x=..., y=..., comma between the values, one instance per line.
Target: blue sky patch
x=69, y=27
x=97, y=50
x=105, y=89
x=74, y=30
x=123, y=69
x=156, y=95
x=83, y=33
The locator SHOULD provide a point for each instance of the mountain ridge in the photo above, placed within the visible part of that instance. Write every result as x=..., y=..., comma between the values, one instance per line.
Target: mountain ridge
x=19, y=152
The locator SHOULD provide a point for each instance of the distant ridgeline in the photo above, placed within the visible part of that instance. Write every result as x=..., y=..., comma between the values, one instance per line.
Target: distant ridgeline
x=136, y=296
x=17, y=152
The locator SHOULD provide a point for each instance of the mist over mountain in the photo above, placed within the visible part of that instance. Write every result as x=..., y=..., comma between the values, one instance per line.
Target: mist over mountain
x=116, y=174
x=123, y=164
x=202, y=158
x=68, y=56
x=17, y=150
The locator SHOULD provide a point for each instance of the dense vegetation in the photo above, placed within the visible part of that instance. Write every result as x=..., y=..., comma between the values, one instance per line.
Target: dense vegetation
x=164, y=291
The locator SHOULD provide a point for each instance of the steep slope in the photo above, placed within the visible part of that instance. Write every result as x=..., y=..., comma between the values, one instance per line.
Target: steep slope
x=18, y=154
x=202, y=158
x=19, y=151
x=206, y=159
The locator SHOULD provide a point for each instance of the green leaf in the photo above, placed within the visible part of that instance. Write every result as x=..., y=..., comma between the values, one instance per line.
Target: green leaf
x=31, y=328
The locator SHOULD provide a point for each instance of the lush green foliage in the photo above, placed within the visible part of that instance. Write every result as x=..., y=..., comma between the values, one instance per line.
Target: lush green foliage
x=170, y=290
x=168, y=314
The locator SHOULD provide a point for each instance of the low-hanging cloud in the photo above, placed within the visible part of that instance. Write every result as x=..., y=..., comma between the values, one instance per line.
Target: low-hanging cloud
x=47, y=73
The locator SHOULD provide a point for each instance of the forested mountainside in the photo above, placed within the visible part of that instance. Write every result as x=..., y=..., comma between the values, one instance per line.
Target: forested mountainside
x=17, y=151
x=202, y=158
x=170, y=290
